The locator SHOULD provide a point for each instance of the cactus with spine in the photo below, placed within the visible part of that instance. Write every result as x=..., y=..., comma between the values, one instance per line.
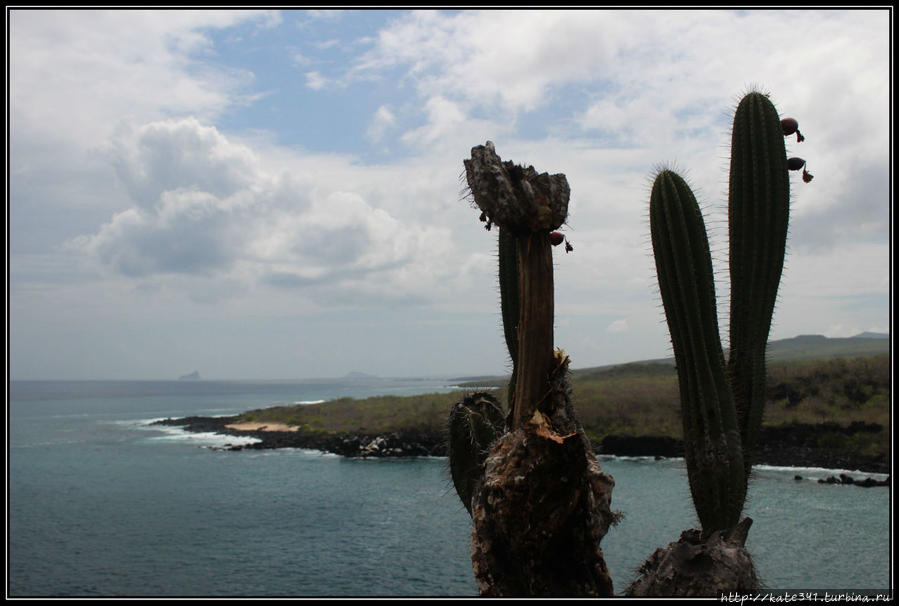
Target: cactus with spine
x=722, y=401
x=712, y=444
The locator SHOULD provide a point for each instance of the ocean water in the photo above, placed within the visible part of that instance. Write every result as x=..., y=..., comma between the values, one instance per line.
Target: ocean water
x=100, y=503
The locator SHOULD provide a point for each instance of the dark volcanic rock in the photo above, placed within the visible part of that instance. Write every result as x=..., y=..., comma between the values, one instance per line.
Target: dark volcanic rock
x=845, y=479
x=805, y=446
x=642, y=446
x=789, y=445
x=404, y=443
x=793, y=445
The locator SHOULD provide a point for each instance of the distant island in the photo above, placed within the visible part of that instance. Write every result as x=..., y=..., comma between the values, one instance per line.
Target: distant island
x=194, y=376
x=357, y=376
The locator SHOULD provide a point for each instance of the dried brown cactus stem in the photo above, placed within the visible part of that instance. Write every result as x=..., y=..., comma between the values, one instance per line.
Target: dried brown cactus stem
x=538, y=519
x=542, y=505
x=530, y=205
x=535, y=327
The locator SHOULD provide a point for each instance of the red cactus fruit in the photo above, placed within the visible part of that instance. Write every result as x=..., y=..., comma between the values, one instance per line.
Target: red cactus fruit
x=556, y=238
x=795, y=163
x=790, y=126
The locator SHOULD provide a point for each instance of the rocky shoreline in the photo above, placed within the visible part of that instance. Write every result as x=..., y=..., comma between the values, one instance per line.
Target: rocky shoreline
x=792, y=446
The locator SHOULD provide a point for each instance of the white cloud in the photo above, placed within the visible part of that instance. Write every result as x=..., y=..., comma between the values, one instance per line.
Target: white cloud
x=174, y=154
x=444, y=117
x=316, y=81
x=382, y=121
x=618, y=326
x=509, y=57
x=173, y=209
x=74, y=74
x=301, y=59
x=206, y=205
x=187, y=232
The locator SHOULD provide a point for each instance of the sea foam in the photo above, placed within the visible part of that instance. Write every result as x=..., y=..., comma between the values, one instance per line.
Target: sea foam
x=203, y=438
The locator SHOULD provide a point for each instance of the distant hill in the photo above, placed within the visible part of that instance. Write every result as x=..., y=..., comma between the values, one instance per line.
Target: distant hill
x=871, y=335
x=194, y=376
x=803, y=347
x=806, y=347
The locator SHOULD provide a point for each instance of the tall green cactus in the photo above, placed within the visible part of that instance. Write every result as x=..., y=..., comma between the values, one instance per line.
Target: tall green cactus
x=722, y=404
x=711, y=435
x=759, y=210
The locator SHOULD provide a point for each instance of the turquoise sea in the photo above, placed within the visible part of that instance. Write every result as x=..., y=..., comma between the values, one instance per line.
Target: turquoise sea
x=100, y=503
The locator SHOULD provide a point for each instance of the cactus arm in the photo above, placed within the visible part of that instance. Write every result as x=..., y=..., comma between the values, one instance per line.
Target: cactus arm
x=474, y=424
x=758, y=218
x=711, y=431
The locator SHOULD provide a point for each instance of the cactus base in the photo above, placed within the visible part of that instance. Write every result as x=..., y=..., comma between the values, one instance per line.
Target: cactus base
x=694, y=566
x=539, y=516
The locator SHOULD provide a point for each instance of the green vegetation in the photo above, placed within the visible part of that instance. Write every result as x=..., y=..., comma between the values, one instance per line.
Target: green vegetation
x=641, y=399
x=375, y=415
x=832, y=393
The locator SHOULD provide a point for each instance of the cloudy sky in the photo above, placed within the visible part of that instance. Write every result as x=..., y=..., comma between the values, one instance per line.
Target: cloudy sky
x=280, y=194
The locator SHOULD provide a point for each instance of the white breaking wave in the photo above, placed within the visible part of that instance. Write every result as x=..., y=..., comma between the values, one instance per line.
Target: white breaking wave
x=807, y=473
x=204, y=438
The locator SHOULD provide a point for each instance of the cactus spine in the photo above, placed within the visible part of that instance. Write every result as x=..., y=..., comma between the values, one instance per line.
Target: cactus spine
x=723, y=403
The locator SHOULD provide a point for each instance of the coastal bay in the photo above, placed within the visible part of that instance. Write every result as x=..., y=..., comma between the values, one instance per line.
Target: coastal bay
x=781, y=446
x=830, y=413
x=104, y=502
